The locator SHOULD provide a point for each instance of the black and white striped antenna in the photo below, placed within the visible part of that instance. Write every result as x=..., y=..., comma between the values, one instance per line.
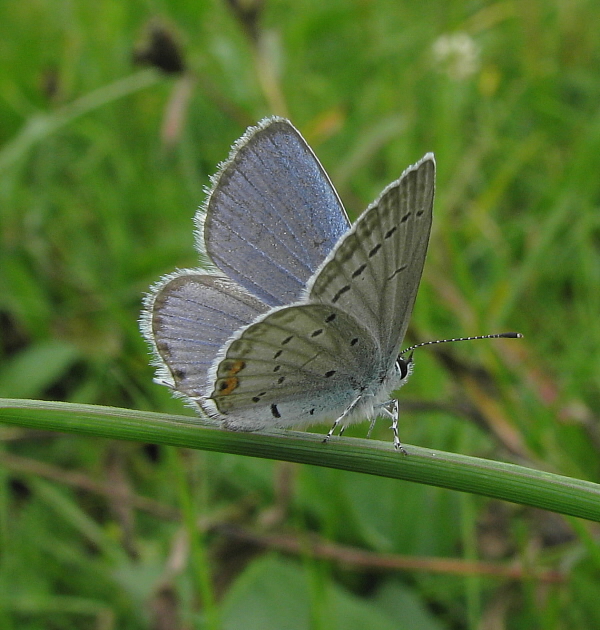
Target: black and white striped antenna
x=506, y=335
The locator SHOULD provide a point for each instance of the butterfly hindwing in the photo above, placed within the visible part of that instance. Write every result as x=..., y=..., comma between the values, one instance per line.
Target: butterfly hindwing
x=295, y=365
x=189, y=317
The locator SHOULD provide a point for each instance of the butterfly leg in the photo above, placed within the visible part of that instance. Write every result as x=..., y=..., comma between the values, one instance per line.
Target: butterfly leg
x=346, y=413
x=384, y=411
x=390, y=409
x=371, y=426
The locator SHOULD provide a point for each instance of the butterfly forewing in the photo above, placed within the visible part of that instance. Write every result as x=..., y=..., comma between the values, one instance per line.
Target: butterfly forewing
x=272, y=215
x=375, y=270
x=191, y=316
x=296, y=364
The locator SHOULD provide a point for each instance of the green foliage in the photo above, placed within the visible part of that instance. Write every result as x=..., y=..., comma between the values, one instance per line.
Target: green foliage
x=102, y=165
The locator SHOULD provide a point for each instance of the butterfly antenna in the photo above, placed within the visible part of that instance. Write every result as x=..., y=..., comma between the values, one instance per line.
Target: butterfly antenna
x=507, y=335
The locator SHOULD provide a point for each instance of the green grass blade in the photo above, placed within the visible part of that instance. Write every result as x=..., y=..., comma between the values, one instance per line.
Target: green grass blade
x=457, y=472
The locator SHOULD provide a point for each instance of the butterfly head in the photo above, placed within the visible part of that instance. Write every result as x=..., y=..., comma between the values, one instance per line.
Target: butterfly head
x=404, y=367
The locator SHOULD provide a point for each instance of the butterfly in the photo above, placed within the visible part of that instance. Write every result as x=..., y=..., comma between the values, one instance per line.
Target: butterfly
x=300, y=316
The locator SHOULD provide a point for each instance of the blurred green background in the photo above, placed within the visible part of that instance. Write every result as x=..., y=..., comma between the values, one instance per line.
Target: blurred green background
x=113, y=115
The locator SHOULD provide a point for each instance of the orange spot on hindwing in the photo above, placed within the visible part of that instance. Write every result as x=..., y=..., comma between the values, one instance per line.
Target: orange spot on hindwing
x=231, y=381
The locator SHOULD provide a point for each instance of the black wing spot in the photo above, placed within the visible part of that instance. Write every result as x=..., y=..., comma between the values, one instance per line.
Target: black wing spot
x=255, y=398
x=180, y=373
x=275, y=411
x=277, y=354
x=312, y=411
x=277, y=368
x=402, y=268
x=287, y=340
x=374, y=250
x=390, y=232
x=330, y=318
x=359, y=271
x=405, y=218
x=354, y=341
x=330, y=373
x=280, y=380
x=339, y=294
x=316, y=333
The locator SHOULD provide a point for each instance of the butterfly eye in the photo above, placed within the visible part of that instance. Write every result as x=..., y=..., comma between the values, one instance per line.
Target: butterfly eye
x=403, y=364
